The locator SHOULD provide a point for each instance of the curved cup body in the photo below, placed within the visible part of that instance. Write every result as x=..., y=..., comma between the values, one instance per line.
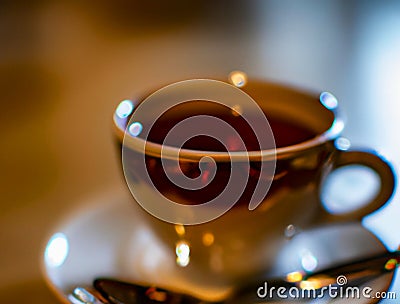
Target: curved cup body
x=242, y=242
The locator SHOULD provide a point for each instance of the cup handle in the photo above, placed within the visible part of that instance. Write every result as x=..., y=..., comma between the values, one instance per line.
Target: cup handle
x=371, y=160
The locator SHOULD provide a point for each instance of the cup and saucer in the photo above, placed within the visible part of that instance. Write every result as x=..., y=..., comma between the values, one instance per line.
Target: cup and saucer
x=204, y=240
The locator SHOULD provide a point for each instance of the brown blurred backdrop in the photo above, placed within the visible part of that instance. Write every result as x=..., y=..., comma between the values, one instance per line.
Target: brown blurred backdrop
x=65, y=65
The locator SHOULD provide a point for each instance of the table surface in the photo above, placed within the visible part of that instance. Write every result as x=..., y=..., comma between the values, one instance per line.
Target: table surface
x=64, y=66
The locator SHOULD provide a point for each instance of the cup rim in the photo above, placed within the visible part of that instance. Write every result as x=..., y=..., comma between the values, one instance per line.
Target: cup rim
x=170, y=152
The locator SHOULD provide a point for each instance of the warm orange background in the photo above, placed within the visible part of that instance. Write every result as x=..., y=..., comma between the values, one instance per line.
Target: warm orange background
x=65, y=65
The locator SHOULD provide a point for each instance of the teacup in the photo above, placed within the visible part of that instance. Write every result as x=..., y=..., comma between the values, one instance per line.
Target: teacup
x=242, y=241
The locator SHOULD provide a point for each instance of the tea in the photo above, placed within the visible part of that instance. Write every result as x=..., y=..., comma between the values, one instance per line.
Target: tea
x=286, y=133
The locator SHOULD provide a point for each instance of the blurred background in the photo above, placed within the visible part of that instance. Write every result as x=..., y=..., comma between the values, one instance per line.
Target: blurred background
x=65, y=65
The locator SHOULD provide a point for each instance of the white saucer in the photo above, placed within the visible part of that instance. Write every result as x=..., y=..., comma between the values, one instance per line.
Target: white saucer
x=106, y=238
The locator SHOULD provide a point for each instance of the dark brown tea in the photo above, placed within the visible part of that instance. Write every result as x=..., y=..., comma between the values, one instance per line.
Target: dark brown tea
x=286, y=133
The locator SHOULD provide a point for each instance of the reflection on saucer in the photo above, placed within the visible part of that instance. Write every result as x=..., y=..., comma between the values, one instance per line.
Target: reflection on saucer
x=106, y=238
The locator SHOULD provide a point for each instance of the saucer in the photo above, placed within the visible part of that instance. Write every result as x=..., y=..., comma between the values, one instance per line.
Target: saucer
x=106, y=238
